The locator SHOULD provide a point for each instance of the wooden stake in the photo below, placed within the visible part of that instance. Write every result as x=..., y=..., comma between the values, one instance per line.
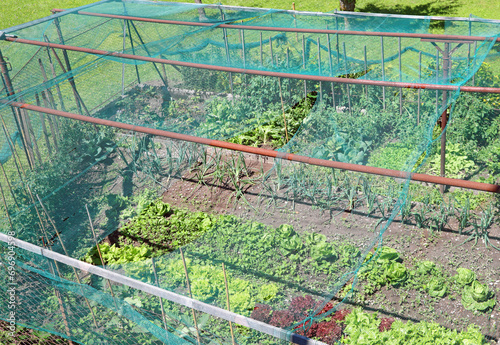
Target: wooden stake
x=283, y=110
x=159, y=298
x=66, y=253
x=190, y=296
x=100, y=254
x=44, y=128
x=227, y=302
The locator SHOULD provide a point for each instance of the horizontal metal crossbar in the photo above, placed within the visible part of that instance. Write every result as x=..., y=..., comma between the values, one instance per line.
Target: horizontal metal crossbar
x=159, y=292
x=266, y=152
x=258, y=72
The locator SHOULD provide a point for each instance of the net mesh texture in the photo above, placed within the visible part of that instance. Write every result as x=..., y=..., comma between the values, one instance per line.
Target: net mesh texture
x=278, y=226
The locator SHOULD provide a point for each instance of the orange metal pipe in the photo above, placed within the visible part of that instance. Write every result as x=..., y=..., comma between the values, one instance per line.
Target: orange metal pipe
x=265, y=152
x=285, y=29
x=258, y=72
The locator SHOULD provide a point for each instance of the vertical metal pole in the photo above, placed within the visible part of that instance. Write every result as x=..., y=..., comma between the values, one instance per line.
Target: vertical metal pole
x=17, y=115
x=474, y=64
x=304, y=62
x=133, y=50
x=330, y=62
x=419, y=80
x=383, y=69
x=347, y=85
x=261, y=58
x=366, y=70
x=400, y=79
x=444, y=115
x=319, y=70
x=68, y=65
x=271, y=51
x=437, y=80
x=123, y=50
x=228, y=58
x=243, y=48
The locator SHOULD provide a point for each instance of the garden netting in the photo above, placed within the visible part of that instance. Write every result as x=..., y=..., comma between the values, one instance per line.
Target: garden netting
x=278, y=226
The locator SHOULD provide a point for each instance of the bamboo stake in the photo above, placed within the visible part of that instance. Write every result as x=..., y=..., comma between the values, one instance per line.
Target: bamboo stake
x=10, y=187
x=66, y=253
x=5, y=205
x=34, y=141
x=100, y=254
x=190, y=296
x=227, y=302
x=13, y=149
x=283, y=110
x=44, y=128
x=62, y=308
x=54, y=75
x=51, y=125
x=159, y=298
x=383, y=69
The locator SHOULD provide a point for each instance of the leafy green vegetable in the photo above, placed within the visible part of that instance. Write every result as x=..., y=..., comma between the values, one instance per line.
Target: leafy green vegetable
x=426, y=267
x=267, y=292
x=464, y=276
x=323, y=251
x=436, y=288
x=291, y=245
x=363, y=329
x=478, y=297
x=396, y=273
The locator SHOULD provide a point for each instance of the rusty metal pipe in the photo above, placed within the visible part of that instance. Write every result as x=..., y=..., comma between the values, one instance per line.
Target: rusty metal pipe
x=266, y=152
x=301, y=30
x=259, y=72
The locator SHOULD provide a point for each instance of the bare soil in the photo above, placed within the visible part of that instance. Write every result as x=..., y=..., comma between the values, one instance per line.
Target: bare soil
x=444, y=247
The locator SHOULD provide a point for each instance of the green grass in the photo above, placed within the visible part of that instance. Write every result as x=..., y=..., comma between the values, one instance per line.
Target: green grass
x=14, y=12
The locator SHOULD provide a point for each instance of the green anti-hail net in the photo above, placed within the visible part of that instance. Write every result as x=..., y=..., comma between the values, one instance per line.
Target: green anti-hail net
x=279, y=227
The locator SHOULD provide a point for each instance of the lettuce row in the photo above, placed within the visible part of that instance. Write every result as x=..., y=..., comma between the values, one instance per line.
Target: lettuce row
x=363, y=329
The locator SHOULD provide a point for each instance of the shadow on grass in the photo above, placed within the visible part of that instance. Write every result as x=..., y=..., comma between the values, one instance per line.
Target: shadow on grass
x=440, y=8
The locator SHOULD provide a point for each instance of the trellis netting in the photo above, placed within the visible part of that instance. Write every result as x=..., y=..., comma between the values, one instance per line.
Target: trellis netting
x=222, y=73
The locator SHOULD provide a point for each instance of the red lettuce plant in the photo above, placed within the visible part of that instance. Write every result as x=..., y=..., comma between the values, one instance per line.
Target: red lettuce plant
x=300, y=305
x=385, y=324
x=261, y=312
x=281, y=318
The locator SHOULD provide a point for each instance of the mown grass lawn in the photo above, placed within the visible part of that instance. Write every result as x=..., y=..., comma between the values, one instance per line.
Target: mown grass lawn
x=14, y=12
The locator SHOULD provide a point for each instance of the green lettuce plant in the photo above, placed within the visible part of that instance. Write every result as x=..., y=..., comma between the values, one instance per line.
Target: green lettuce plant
x=426, y=267
x=396, y=273
x=436, y=287
x=291, y=245
x=477, y=297
x=464, y=276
